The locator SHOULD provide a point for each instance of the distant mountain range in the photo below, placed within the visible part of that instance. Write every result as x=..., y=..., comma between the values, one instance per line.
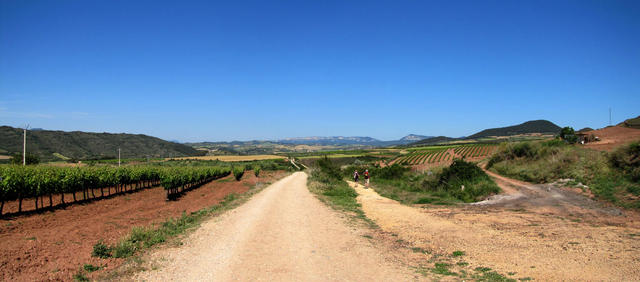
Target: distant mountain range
x=353, y=140
x=56, y=145
x=52, y=145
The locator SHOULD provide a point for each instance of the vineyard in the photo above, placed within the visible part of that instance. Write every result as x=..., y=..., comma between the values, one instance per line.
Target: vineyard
x=40, y=182
x=445, y=155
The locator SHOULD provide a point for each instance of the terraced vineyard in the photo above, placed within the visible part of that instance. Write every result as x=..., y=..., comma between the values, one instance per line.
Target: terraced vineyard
x=436, y=155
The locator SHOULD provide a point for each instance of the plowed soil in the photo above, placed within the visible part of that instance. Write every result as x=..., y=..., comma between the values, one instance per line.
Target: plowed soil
x=53, y=245
x=613, y=137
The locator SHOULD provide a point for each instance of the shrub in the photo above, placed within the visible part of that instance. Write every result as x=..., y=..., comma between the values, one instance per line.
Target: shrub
x=101, y=250
x=29, y=159
x=464, y=181
x=569, y=135
x=256, y=170
x=627, y=159
x=90, y=267
x=327, y=171
x=124, y=249
x=238, y=171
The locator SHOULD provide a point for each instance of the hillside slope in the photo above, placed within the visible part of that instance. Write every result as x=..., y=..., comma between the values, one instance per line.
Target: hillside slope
x=89, y=145
x=631, y=123
x=533, y=126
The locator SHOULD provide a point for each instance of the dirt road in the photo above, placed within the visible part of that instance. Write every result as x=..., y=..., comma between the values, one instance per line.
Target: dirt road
x=558, y=236
x=282, y=233
x=52, y=245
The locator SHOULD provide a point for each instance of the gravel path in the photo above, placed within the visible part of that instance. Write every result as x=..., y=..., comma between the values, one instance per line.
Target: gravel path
x=283, y=233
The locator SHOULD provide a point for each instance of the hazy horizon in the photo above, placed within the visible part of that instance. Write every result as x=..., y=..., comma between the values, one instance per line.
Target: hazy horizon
x=219, y=71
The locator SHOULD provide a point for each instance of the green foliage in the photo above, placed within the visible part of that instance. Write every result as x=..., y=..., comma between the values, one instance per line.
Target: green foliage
x=238, y=171
x=328, y=182
x=391, y=172
x=30, y=159
x=627, y=160
x=91, y=268
x=569, y=135
x=440, y=187
x=101, y=250
x=80, y=277
x=464, y=181
x=442, y=268
x=35, y=181
x=326, y=171
x=458, y=253
x=609, y=176
x=256, y=170
x=86, y=145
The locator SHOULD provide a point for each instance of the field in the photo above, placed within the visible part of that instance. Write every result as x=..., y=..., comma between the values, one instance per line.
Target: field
x=438, y=155
x=52, y=245
x=231, y=158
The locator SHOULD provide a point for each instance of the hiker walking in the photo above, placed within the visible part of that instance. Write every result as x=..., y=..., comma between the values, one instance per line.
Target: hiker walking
x=366, y=177
x=355, y=177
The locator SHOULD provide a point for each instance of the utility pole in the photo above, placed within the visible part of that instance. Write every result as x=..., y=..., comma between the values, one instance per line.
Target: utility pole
x=118, y=157
x=24, y=146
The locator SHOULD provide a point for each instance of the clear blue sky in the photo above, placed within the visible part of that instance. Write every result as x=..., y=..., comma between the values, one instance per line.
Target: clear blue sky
x=240, y=70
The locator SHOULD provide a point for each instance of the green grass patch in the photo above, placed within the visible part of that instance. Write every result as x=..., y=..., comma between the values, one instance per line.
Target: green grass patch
x=326, y=181
x=90, y=267
x=458, y=253
x=80, y=276
x=443, y=269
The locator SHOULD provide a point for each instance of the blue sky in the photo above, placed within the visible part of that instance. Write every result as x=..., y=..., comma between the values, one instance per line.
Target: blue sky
x=241, y=70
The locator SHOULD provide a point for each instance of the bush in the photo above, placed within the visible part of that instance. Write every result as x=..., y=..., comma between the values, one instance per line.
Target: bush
x=101, y=250
x=29, y=159
x=124, y=249
x=391, y=172
x=327, y=171
x=569, y=135
x=627, y=159
x=256, y=170
x=464, y=181
x=238, y=171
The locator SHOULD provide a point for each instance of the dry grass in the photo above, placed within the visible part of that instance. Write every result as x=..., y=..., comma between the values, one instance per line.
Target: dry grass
x=232, y=158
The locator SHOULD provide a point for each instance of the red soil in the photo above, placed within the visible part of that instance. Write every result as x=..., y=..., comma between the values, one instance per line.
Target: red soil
x=613, y=137
x=54, y=245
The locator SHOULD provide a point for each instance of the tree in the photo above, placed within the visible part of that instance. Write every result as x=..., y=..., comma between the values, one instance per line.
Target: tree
x=569, y=135
x=30, y=159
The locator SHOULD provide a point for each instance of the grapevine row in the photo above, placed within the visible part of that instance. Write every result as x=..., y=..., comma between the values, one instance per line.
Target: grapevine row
x=20, y=182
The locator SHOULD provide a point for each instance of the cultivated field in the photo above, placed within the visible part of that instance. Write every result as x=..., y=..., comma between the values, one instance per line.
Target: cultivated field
x=441, y=155
x=232, y=158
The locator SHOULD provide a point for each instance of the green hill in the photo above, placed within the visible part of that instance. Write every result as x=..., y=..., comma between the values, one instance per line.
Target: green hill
x=434, y=141
x=534, y=126
x=49, y=145
x=631, y=123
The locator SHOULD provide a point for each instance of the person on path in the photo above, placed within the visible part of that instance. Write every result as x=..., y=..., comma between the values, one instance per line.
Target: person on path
x=366, y=178
x=355, y=177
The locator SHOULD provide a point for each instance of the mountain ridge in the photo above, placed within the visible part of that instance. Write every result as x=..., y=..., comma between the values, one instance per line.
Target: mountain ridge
x=89, y=145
